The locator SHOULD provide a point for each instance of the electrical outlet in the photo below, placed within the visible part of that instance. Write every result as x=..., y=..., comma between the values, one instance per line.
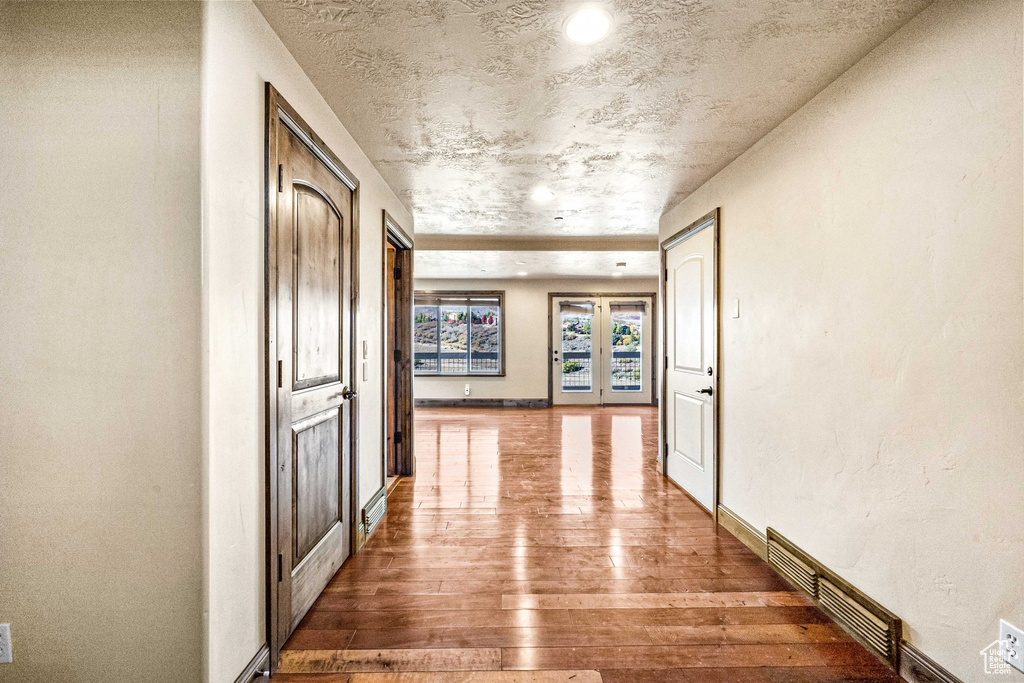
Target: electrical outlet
x=1011, y=645
x=6, y=655
x=467, y=390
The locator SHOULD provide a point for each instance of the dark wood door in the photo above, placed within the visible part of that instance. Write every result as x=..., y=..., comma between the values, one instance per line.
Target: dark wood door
x=391, y=366
x=314, y=399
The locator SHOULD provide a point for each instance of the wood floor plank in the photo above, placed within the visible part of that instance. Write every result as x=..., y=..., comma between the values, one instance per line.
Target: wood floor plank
x=381, y=659
x=528, y=550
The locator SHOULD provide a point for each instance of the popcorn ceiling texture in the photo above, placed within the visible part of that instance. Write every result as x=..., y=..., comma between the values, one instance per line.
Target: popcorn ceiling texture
x=465, y=105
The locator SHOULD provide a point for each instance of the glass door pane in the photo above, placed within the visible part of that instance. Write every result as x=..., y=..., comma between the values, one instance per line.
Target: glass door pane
x=424, y=341
x=577, y=348
x=454, y=339
x=627, y=349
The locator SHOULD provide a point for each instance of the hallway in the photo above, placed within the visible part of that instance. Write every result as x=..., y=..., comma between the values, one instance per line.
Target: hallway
x=548, y=540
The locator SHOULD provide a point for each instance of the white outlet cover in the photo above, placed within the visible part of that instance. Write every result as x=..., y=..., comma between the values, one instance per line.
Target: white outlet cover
x=1011, y=639
x=6, y=654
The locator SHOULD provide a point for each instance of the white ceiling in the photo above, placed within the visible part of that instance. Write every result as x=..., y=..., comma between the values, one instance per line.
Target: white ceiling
x=466, y=105
x=454, y=264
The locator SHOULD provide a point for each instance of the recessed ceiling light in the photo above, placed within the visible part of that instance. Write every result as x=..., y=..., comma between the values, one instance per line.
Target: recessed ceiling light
x=542, y=194
x=589, y=25
x=617, y=273
x=521, y=273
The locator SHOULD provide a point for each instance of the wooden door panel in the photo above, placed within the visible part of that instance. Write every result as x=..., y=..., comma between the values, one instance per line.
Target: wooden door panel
x=311, y=279
x=316, y=481
x=318, y=277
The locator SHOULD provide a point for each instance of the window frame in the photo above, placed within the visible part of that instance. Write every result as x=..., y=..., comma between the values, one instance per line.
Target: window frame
x=433, y=298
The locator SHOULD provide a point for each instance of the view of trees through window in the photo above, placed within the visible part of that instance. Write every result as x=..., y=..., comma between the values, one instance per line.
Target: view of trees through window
x=457, y=334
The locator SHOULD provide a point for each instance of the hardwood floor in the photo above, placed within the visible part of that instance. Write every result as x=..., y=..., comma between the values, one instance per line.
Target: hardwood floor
x=538, y=546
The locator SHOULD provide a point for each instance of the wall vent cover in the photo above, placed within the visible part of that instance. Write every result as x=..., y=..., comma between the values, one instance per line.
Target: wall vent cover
x=873, y=626
x=375, y=511
x=799, y=573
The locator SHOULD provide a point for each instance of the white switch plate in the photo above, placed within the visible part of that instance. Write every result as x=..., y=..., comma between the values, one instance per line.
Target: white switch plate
x=366, y=350
x=1011, y=645
x=6, y=655
x=467, y=390
x=364, y=371
x=735, y=308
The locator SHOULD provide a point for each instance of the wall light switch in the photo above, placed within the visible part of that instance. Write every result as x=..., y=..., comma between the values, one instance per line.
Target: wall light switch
x=467, y=390
x=6, y=654
x=366, y=349
x=735, y=308
x=1011, y=645
x=364, y=371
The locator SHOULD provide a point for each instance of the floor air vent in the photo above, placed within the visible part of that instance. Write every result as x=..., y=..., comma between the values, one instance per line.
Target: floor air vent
x=787, y=563
x=872, y=625
x=375, y=510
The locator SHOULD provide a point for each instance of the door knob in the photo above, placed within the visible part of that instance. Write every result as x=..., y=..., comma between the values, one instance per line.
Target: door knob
x=347, y=393
x=707, y=391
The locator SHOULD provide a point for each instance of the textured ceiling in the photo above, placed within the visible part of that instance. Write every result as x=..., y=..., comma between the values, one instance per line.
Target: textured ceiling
x=537, y=264
x=466, y=105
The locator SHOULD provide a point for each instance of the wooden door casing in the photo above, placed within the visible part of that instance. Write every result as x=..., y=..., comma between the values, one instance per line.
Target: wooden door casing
x=310, y=318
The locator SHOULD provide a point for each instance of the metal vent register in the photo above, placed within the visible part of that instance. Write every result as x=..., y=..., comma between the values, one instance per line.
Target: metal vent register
x=873, y=626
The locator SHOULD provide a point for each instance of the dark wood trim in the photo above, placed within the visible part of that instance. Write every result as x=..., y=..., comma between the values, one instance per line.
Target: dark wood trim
x=258, y=667
x=714, y=217
x=917, y=667
x=470, y=293
x=482, y=403
x=404, y=301
x=655, y=370
x=277, y=113
x=748, y=535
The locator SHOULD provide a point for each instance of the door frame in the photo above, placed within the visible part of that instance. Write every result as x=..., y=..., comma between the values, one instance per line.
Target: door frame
x=655, y=374
x=404, y=295
x=279, y=113
x=709, y=220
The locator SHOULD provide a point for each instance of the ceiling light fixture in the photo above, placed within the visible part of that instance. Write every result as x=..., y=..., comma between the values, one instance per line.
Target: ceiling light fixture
x=542, y=194
x=589, y=25
x=620, y=264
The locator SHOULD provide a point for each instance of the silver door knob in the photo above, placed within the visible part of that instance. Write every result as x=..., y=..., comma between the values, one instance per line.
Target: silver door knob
x=347, y=393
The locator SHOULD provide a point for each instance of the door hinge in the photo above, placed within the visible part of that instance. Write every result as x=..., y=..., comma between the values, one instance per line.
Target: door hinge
x=280, y=178
x=666, y=362
x=397, y=274
x=398, y=437
x=280, y=372
x=666, y=273
x=398, y=355
x=280, y=567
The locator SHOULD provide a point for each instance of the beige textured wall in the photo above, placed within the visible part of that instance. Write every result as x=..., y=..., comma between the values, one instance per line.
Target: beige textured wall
x=100, y=449
x=872, y=388
x=241, y=52
x=526, y=334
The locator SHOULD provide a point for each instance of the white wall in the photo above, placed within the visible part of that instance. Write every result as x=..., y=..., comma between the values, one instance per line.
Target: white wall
x=526, y=335
x=240, y=53
x=100, y=448
x=872, y=388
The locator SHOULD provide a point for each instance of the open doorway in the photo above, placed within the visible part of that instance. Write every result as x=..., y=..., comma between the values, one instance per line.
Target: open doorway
x=397, y=356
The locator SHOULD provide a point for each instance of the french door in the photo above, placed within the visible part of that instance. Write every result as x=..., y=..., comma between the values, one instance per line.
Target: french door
x=601, y=349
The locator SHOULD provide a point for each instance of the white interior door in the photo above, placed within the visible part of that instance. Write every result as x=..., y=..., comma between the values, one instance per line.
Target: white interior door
x=576, y=351
x=689, y=408
x=626, y=342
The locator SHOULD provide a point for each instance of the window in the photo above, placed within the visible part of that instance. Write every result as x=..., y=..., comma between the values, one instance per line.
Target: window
x=627, y=319
x=577, y=345
x=458, y=333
